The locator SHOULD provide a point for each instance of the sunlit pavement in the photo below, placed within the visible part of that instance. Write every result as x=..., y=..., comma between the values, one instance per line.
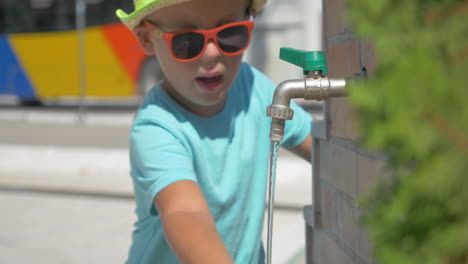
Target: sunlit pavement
x=67, y=196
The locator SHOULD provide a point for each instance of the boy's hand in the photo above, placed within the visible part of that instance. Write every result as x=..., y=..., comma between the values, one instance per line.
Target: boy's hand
x=188, y=225
x=303, y=150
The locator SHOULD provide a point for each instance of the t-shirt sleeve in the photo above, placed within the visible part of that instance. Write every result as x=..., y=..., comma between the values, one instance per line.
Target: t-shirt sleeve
x=158, y=158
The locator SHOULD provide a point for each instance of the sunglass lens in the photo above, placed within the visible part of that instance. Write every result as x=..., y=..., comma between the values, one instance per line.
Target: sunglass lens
x=233, y=39
x=187, y=45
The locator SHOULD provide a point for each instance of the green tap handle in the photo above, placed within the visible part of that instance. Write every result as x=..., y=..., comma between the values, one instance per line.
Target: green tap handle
x=307, y=60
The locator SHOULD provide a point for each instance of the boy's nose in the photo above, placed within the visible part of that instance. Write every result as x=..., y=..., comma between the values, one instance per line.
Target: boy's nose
x=211, y=51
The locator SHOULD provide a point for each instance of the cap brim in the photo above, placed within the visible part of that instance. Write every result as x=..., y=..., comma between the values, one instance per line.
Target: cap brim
x=133, y=19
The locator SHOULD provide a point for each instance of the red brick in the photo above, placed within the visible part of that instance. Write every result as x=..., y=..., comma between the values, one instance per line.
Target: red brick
x=365, y=248
x=339, y=167
x=369, y=171
x=344, y=121
x=368, y=57
x=343, y=59
x=348, y=228
x=329, y=207
x=327, y=251
x=334, y=22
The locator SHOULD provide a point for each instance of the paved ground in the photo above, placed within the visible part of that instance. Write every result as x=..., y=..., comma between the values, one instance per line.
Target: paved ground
x=49, y=228
x=57, y=208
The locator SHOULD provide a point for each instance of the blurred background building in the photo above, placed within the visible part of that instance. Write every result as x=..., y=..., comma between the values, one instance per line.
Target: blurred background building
x=103, y=62
x=65, y=189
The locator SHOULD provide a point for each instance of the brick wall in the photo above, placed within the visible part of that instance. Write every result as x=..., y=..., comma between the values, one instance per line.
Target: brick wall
x=343, y=170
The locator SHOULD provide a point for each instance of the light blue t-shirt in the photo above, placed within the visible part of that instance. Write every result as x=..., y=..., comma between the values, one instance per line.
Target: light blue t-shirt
x=227, y=155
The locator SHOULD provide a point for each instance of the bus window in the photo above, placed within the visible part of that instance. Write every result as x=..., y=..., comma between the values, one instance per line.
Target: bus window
x=103, y=11
x=63, y=12
x=18, y=16
x=2, y=16
x=43, y=16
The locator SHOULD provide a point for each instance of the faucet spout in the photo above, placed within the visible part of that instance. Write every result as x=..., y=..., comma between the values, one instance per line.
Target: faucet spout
x=310, y=88
x=279, y=110
x=288, y=90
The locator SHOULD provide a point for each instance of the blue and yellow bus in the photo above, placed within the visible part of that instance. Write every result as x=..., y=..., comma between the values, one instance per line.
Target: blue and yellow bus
x=40, y=58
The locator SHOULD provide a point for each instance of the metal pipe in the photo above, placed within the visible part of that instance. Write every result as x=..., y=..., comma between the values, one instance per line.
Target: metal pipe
x=288, y=90
x=80, y=19
x=323, y=88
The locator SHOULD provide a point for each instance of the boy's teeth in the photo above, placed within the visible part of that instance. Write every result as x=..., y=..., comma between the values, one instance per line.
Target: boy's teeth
x=209, y=78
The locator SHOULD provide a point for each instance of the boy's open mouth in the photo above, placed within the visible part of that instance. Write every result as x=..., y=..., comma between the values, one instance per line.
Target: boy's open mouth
x=210, y=84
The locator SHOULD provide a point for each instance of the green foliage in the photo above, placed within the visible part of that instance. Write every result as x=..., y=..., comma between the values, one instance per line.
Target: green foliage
x=415, y=108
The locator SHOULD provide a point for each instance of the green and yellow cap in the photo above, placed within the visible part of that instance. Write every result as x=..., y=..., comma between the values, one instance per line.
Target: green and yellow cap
x=143, y=8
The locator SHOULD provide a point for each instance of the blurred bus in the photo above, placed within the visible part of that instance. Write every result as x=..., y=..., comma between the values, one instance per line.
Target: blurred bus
x=40, y=53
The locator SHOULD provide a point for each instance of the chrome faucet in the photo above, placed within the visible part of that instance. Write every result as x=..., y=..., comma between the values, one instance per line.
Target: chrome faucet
x=314, y=86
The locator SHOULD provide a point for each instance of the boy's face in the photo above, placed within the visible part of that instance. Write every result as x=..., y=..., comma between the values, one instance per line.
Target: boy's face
x=201, y=85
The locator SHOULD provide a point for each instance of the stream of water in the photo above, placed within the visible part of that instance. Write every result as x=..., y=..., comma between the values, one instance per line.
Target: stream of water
x=271, y=196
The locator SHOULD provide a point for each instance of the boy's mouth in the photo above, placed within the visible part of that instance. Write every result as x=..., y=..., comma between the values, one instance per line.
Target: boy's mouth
x=210, y=84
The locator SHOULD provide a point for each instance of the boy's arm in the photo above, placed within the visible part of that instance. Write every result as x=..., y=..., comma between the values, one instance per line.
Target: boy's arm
x=303, y=150
x=188, y=225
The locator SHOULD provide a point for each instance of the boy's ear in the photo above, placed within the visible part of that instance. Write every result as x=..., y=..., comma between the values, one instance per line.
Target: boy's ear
x=143, y=34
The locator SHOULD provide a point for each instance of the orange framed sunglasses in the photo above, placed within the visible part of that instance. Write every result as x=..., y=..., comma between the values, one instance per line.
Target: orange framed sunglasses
x=189, y=45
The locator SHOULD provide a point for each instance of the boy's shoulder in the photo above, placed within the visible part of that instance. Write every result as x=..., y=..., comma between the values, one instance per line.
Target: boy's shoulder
x=156, y=107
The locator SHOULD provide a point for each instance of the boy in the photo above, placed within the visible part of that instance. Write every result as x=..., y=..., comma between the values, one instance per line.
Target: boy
x=199, y=145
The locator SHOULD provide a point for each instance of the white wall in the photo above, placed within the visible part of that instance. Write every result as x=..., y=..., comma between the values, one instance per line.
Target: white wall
x=284, y=23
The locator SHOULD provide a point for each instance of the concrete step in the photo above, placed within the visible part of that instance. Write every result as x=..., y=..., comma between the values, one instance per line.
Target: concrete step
x=105, y=171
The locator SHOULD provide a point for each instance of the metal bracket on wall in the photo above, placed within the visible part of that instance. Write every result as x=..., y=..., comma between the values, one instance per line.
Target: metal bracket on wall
x=320, y=129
